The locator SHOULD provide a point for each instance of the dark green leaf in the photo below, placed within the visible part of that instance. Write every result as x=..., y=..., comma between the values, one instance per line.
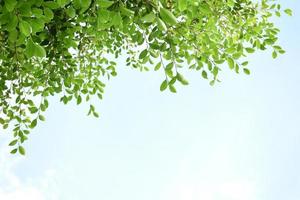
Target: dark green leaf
x=12, y=143
x=246, y=71
x=33, y=123
x=21, y=150
x=143, y=54
x=14, y=151
x=164, y=85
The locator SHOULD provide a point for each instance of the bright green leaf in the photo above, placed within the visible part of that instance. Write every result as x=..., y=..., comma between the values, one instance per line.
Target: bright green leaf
x=25, y=27
x=167, y=16
x=182, y=5
x=288, y=12
x=164, y=85
x=149, y=18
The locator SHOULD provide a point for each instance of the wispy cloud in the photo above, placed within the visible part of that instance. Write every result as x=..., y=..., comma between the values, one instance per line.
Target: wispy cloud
x=13, y=187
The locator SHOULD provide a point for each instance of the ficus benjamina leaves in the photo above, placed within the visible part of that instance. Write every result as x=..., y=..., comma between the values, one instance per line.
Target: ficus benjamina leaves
x=69, y=48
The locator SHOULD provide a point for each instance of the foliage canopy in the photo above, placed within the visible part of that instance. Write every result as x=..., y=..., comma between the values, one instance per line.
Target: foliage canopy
x=68, y=47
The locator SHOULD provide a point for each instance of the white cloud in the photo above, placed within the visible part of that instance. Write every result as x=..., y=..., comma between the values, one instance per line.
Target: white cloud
x=13, y=187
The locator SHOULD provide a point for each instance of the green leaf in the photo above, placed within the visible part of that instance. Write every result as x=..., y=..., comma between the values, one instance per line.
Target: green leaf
x=24, y=10
x=230, y=3
x=149, y=18
x=71, y=12
x=288, y=12
x=51, y=4
x=86, y=3
x=117, y=19
x=37, y=25
x=181, y=79
x=245, y=63
x=246, y=71
x=274, y=54
x=96, y=114
x=79, y=99
x=5, y=126
x=173, y=80
x=14, y=151
x=204, y=74
x=48, y=13
x=172, y=88
x=105, y=3
x=164, y=85
x=230, y=62
x=25, y=27
x=33, y=109
x=143, y=54
x=34, y=49
x=41, y=117
x=167, y=16
x=182, y=5
x=37, y=12
x=250, y=50
x=81, y=4
x=126, y=12
x=12, y=143
x=281, y=51
x=10, y=5
x=158, y=66
x=61, y=3
x=161, y=25
x=33, y=123
x=2, y=121
x=205, y=9
x=21, y=150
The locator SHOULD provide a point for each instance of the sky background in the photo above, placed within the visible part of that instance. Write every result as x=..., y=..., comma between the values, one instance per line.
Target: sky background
x=237, y=140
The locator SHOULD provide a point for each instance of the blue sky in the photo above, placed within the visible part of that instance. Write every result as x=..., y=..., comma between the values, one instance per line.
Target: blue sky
x=237, y=140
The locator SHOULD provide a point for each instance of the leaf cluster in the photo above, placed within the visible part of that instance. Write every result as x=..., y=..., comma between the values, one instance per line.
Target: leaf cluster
x=68, y=47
